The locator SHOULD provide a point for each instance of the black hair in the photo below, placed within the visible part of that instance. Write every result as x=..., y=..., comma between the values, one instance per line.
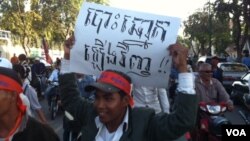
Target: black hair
x=246, y=53
x=22, y=57
x=20, y=70
x=58, y=62
x=10, y=73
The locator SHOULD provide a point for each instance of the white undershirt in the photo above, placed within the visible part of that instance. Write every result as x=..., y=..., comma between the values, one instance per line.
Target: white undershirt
x=103, y=133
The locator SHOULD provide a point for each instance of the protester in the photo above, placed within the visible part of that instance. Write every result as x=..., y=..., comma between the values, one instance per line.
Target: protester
x=15, y=124
x=230, y=58
x=23, y=61
x=70, y=129
x=112, y=116
x=30, y=92
x=217, y=72
x=53, y=82
x=210, y=89
x=83, y=80
x=38, y=69
x=155, y=98
x=14, y=59
x=7, y=64
x=55, y=73
x=246, y=58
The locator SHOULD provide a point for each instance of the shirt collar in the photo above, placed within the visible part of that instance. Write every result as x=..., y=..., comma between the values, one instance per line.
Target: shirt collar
x=99, y=124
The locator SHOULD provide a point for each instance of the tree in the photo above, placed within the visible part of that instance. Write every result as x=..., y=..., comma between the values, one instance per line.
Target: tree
x=238, y=11
x=50, y=19
x=19, y=22
x=204, y=26
x=221, y=34
x=196, y=29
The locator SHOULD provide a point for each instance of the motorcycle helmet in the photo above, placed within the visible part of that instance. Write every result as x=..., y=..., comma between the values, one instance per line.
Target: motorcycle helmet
x=216, y=123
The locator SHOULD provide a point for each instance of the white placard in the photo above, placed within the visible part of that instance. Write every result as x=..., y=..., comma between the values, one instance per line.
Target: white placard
x=132, y=42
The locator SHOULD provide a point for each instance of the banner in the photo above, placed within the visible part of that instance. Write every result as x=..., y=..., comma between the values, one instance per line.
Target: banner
x=132, y=42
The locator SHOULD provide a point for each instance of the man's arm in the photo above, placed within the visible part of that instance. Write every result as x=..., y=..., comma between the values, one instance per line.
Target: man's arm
x=34, y=103
x=224, y=96
x=72, y=102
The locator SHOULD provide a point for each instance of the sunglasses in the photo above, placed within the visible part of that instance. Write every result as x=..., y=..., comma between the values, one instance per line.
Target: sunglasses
x=206, y=71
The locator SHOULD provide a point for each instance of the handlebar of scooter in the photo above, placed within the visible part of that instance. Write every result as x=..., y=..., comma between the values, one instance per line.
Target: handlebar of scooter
x=213, y=107
x=54, y=83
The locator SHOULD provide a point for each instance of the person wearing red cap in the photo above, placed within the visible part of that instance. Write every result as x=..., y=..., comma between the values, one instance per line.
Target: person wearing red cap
x=113, y=117
x=15, y=123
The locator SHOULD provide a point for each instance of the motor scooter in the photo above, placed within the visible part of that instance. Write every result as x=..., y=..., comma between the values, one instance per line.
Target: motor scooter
x=210, y=119
x=54, y=101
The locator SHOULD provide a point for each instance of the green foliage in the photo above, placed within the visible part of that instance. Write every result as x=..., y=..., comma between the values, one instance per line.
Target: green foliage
x=204, y=25
x=52, y=19
x=197, y=29
x=238, y=12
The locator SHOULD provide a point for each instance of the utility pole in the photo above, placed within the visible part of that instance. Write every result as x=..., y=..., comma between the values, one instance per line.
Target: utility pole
x=210, y=29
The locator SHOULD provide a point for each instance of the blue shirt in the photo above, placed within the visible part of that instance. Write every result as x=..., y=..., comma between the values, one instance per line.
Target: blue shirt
x=246, y=61
x=82, y=83
x=174, y=73
x=54, y=75
x=217, y=73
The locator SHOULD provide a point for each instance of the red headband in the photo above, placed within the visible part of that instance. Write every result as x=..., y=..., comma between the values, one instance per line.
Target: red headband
x=7, y=83
x=118, y=81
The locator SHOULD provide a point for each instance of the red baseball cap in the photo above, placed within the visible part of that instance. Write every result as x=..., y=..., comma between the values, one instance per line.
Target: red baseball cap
x=111, y=82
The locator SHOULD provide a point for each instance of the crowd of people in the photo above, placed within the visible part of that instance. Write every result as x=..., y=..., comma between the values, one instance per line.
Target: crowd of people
x=17, y=122
x=104, y=110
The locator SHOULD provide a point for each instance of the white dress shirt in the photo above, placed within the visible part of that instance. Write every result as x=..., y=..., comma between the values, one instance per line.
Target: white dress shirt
x=151, y=97
x=103, y=133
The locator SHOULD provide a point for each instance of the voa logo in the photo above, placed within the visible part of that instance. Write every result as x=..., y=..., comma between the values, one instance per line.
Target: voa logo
x=236, y=132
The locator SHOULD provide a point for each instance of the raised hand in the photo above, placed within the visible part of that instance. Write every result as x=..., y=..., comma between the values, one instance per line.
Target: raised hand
x=67, y=46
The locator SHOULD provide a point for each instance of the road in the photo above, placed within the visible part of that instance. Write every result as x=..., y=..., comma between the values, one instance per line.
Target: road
x=234, y=116
x=57, y=125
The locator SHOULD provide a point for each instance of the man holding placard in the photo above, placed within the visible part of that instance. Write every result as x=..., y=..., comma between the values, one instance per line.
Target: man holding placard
x=112, y=116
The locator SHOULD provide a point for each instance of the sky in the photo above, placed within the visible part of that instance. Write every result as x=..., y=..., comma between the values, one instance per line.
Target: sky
x=175, y=8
